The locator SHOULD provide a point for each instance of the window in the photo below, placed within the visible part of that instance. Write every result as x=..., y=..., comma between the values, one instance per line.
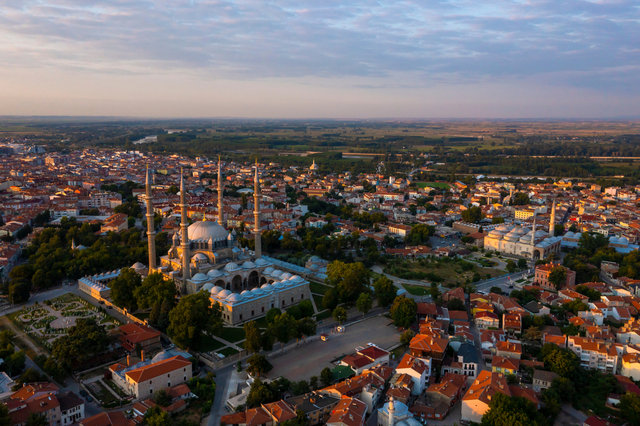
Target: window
x=292, y=300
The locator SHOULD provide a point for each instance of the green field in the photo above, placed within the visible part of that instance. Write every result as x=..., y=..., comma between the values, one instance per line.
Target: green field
x=416, y=290
x=438, y=185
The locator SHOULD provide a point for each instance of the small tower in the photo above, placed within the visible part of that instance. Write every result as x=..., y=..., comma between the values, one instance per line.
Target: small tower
x=184, y=224
x=256, y=214
x=552, y=219
x=151, y=230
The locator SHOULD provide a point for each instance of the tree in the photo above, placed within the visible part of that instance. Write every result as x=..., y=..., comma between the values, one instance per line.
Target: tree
x=253, y=339
x=364, y=303
x=37, y=419
x=456, y=304
x=522, y=264
x=162, y=398
x=19, y=291
x=589, y=292
x=630, y=408
x=339, y=314
x=472, y=214
x=434, y=291
x=123, y=289
x=83, y=341
x=558, y=229
x=154, y=290
x=511, y=266
x=520, y=199
x=284, y=327
x=406, y=336
x=260, y=393
x=558, y=276
x=306, y=327
x=156, y=416
x=257, y=365
x=330, y=299
x=272, y=314
x=385, y=290
x=350, y=279
x=560, y=361
x=300, y=388
x=403, y=311
x=191, y=316
x=5, y=420
x=419, y=234
x=326, y=376
x=511, y=411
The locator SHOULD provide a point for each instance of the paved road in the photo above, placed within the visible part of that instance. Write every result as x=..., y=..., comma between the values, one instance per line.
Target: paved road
x=218, y=408
x=502, y=281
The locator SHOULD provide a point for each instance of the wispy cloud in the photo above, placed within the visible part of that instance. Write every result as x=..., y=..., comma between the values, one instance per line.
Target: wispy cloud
x=572, y=43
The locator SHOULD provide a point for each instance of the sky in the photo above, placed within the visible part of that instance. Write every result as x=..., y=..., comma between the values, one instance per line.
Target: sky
x=321, y=59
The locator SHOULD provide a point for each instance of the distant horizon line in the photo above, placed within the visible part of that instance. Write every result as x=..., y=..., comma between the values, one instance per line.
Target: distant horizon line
x=356, y=119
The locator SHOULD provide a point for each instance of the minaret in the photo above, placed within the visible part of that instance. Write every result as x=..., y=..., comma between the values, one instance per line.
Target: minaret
x=256, y=215
x=220, y=214
x=552, y=219
x=533, y=231
x=151, y=229
x=184, y=224
x=392, y=412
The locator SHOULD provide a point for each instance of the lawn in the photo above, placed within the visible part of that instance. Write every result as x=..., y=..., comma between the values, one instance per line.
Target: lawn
x=318, y=300
x=208, y=343
x=318, y=288
x=232, y=334
x=416, y=290
x=228, y=351
x=438, y=185
x=323, y=315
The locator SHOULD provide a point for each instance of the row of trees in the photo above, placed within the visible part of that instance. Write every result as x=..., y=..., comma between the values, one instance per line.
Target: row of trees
x=154, y=293
x=51, y=260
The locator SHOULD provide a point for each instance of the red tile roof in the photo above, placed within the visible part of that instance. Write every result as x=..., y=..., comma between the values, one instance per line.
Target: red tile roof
x=160, y=368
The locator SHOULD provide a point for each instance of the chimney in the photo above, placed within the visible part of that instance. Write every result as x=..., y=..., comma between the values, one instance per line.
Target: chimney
x=141, y=355
x=128, y=360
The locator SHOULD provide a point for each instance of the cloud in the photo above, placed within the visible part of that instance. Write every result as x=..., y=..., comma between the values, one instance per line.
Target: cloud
x=373, y=44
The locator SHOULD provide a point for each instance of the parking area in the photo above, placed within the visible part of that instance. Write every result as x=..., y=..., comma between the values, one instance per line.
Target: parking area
x=309, y=359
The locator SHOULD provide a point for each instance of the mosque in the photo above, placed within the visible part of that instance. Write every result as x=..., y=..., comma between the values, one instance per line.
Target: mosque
x=205, y=256
x=524, y=242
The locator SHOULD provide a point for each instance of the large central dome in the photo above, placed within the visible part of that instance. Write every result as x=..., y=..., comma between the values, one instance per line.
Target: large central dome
x=205, y=230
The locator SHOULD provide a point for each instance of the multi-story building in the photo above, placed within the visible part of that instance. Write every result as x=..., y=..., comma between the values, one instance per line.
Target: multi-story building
x=144, y=379
x=594, y=354
x=544, y=271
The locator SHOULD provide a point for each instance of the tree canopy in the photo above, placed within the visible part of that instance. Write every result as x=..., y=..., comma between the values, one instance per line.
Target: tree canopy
x=350, y=279
x=192, y=316
x=403, y=311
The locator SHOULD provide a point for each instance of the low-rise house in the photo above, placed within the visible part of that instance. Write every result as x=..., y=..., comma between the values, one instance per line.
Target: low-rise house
x=316, y=406
x=348, y=412
x=440, y=397
x=366, y=358
x=145, y=379
x=424, y=346
x=465, y=362
x=135, y=336
x=475, y=402
x=44, y=398
x=509, y=349
x=486, y=319
x=270, y=414
x=505, y=365
x=512, y=324
x=108, y=418
x=418, y=369
x=630, y=365
x=542, y=379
